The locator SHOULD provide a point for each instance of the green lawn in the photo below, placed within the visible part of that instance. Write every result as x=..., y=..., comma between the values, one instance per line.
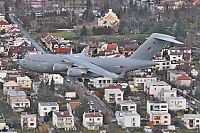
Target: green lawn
x=65, y=34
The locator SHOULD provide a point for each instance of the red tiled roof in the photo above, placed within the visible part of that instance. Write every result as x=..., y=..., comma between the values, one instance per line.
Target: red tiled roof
x=93, y=115
x=73, y=105
x=114, y=87
x=184, y=77
x=63, y=50
x=4, y=23
x=112, y=46
x=63, y=114
x=17, y=49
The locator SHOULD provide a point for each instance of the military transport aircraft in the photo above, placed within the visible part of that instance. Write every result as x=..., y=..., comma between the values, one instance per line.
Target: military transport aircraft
x=80, y=65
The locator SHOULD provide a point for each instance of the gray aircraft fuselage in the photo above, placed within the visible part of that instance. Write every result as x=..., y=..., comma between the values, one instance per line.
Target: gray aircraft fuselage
x=43, y=63
x=80, y=65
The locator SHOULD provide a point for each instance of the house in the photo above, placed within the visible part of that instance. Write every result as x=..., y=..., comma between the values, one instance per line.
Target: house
x=127, y=105
x=20, y=104
x=127, y=119
x=2, y=122
x=3, y=25
x=163, y=64
x=36, y=83
x=92, y=121
x=63, y=120
x=100, y=82
x=113, y=95
x=110, y=48
x=164, y=94
x=10, y=86
x=109, y=19
x=45, y=107
x=24, y=82
x=15, y=94
x=129, y=49
x=71, y=94
x=186, y=53
x=154, y=88
x=140, y=81
x=46, y=38
x=71, y=106
x=192, y=121
x=176, y=103
x=172, y=75
x=18, y=100
x=183, y=80
x=160, y=118
x=176, y=57
x=57, y=78
x=28, y=121
x=157, y=106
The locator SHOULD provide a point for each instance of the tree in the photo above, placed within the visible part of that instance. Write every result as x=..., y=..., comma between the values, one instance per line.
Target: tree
x=84, y=31
x=42, y=91
x=52, y=85
x=84, y=107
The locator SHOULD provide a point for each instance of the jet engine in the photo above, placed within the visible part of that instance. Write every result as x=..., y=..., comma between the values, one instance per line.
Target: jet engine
x=58, y=67
x=76, y=71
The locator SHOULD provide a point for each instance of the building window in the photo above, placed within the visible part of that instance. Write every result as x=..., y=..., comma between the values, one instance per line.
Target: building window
x=157, y=122
x=163, y=106
x=99, y=81
x=155, y=89
x=108, y=81
x=165, y=121
x=32, y=119
x=197, y=120
x=98, y=119
x=133, y=124
x=45, y=108
x=32, y=124
x=165, y=116
x=90, y=119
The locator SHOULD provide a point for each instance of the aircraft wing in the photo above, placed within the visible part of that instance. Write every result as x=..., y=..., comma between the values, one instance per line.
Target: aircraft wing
x=92, y=67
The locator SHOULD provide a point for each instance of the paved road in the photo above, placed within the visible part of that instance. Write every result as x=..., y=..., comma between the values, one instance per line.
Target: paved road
x=98, y=104
x=25, y=33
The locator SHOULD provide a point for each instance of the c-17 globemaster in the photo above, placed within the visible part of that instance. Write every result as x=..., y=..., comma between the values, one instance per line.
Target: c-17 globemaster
x=80, y=65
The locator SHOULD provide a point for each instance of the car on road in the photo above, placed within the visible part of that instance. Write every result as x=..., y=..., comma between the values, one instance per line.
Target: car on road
x=88, y=93
x=192, y=102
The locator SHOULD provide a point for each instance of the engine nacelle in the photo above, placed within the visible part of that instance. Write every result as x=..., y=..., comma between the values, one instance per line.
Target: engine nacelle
x=76, y=72
x=58, y=67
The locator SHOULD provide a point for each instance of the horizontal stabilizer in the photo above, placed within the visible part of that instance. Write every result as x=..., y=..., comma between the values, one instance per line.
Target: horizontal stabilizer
x=152, y=46
x=168, y=39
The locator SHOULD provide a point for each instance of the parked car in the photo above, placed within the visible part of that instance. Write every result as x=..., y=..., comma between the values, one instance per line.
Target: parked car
x=192, y=102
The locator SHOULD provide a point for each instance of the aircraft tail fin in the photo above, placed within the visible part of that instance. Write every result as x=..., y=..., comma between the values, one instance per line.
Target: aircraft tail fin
x=152, y=46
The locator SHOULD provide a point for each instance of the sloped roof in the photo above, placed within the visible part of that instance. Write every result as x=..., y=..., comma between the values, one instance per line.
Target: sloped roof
x=73, y=105
x=116, y=86
x=63, y=114
x=112, y=46
x=63, y=50
x=4, y=23
x=11, y=83
x=184, y=77
x=93, y=114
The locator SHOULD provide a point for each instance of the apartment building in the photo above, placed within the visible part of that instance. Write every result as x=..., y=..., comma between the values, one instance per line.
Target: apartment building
x=160, y=118
x=192, y=121
x=127, y=105
x=157, y=106
x=45, y=107
x=113, y=95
